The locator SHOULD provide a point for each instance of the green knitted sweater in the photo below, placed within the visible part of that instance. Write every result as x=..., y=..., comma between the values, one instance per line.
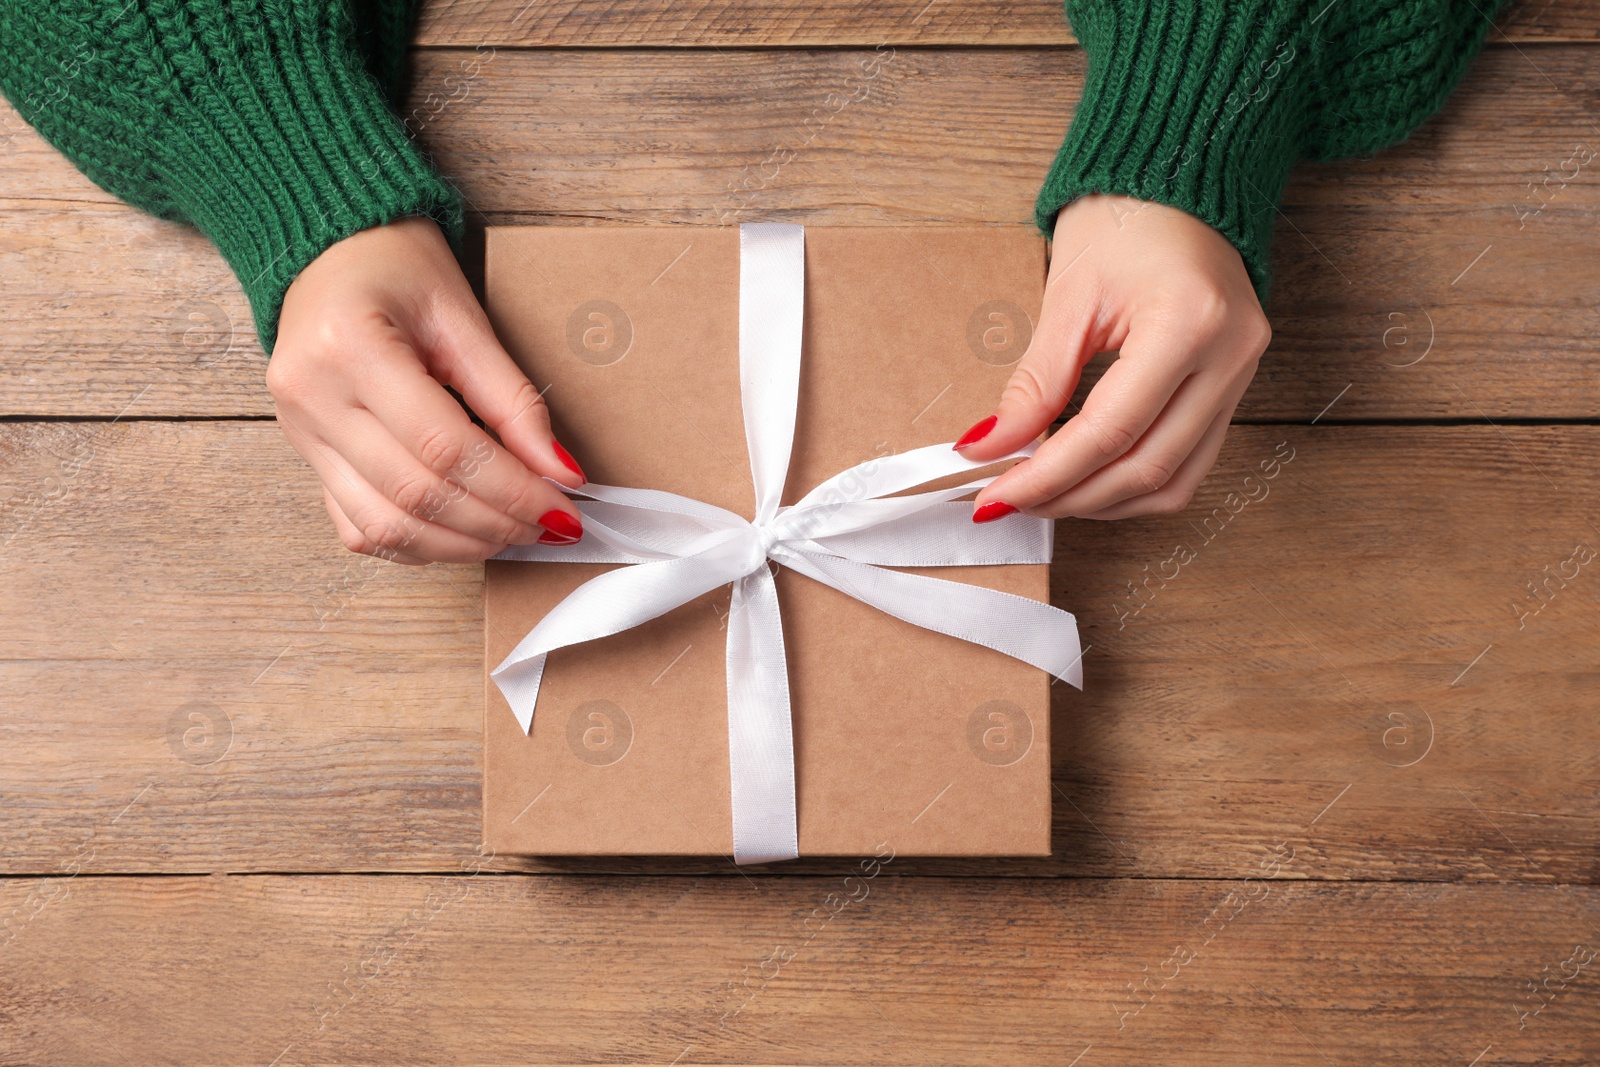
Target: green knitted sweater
x=1205, y=105
x=269, y=124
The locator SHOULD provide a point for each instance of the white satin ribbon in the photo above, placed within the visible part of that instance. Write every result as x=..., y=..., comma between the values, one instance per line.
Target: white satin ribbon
x=841, y=534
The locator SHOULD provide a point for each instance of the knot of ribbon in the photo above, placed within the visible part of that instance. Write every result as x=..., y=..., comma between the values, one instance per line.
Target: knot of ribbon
x=842, y=533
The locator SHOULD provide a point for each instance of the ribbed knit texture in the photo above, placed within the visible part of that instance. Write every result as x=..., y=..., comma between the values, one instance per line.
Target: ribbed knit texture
x=1205, y=105
x=1384, y=67
x=262, y=122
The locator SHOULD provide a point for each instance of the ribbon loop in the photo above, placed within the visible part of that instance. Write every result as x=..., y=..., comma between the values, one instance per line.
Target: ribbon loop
x=842, y=533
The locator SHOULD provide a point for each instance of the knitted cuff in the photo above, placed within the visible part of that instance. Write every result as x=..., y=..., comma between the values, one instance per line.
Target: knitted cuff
x=282, y=144
x=1196, y=104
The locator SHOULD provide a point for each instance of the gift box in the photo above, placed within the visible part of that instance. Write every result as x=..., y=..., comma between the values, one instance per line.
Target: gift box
x=675, y=735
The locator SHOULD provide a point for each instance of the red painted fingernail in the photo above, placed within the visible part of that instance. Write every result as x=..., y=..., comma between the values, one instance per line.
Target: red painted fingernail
x=551, y=538
x=978, y=432
x=561, y=524
x=994, y=509
x=566, y=457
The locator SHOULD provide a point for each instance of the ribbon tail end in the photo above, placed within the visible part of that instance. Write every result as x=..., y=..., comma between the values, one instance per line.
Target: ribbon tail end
x=519, y=683
x=1072, y=673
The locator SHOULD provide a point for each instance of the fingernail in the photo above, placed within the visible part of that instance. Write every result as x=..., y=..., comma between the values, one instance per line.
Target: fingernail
x=566, y=457
x=561, y=524
x=978, y=432
x=994, y=509
x=550, y=537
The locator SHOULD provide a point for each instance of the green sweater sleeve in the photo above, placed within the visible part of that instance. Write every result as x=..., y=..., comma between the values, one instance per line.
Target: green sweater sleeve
x=1205, y=105
x=264, y=123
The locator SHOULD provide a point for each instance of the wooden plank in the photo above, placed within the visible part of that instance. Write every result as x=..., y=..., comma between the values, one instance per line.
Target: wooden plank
x=105, y=310
x=1375, y=258
x=478, y=968
x=1363, y=247
x=746, y=23
x=197, y=677
x=110, y=312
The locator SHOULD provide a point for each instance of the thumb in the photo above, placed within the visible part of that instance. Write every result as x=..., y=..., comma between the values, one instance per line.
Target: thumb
x=1040, y=386
x=478, y=367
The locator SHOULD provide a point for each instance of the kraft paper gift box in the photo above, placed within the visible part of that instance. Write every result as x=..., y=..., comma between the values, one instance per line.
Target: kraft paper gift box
x=903, y=737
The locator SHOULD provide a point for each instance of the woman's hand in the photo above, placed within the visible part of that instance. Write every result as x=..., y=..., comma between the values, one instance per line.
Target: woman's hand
x=371, y=333
x=1173, y=296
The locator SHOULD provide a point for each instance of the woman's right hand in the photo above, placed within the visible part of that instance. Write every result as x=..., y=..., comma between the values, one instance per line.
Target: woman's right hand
x=370, y=334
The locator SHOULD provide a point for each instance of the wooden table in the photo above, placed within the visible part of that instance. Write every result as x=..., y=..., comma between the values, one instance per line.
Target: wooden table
x=1330, y=794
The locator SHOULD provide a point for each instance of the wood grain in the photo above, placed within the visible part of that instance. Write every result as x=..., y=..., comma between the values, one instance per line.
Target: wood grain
x=746, y=23
x=1418, y=253
x=1329, y=796
x=479, y=968
x=197, y=677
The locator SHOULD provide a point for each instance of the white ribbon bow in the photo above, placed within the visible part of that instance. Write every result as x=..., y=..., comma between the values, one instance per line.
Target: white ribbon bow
x=681, y=548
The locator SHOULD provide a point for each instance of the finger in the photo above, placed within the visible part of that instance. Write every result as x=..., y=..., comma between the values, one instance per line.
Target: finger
x=1176, y=494
x=1044, y=379
x=474, y=364
x=383, y=529
x=1119, y=409
x=389, y=467
x=1155, y=460
x=376, y=525
x=424, y=418
x=348, y=534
